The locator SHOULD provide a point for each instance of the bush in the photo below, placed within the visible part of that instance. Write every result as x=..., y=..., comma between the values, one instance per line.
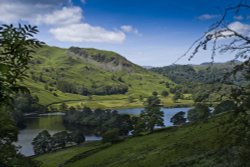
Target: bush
x=111, y=136
x=78, y=137
x=224, y=106
x=164, y=93
x=199, y=113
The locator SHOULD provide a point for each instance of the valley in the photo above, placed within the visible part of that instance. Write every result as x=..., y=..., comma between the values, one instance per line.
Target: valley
x=91, y=83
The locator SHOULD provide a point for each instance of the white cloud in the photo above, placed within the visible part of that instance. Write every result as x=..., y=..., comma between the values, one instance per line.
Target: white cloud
x=243, y=29
x=64, y=21
x=129, y=29
x=64, y=16
x=207, y=17
x=240, y=28
x=84, y=32
x=14, y=12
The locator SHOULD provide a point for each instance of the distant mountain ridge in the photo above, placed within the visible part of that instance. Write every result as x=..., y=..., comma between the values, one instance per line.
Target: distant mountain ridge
x=148, y=67
x=204, y=73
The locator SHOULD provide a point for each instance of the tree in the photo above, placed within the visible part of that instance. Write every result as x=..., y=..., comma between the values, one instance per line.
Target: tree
x=164, y=93
x=154, y=93
x=60, y=139
x=141, y=98
x=225, y=36
x=42, y=143
x=167, y=85
x=63, y=107
x=24, y=103
x=16, y=46
x=178, y=118
x=199, y=113
x=224, y=106
x=16, y=43
x=177, y=96
x=139, y=125
x=8, y=134
x=152, y=115
x=78, y=137
x=111, y=136
x=124, y=124
x=130, y=99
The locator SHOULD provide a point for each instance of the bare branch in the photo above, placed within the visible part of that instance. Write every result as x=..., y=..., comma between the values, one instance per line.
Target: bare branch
x=220, y=30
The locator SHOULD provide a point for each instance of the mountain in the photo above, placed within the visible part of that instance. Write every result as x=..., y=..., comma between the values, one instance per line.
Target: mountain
x=204, y=73
x=206, y=82
x=148, y=67
x=98, y=78
x=233, y=62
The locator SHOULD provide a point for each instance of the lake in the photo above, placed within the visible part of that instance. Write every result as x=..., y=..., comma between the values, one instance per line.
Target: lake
x=54, y=123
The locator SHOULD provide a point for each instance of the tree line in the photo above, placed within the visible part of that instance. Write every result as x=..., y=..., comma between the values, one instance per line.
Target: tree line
x=45, y=142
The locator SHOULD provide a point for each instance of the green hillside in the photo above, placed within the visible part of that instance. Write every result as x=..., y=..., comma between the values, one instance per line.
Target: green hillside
x=204, y=73
x=92, y=77
x=191, y=145
x=206, y=82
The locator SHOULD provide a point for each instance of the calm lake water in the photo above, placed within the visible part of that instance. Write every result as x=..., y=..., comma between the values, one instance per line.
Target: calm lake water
x=54, y=123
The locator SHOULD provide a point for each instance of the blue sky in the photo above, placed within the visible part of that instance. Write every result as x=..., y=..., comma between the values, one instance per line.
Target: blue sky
x=146, y=32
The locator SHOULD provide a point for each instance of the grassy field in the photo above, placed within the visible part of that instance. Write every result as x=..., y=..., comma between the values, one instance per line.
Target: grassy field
x=121, y=101
x=56, y=158
x=165, y=147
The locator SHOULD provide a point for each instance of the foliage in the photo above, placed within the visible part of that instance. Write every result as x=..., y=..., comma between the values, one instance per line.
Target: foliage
x=63, y=107
x=42, y=143
x=206, y=82
x=200, y=112
x=16, y=45
x=193, y=143
x=177, y=96
x=205, y=73
x=60, y=139
x=151, y=116
x=78, y=137
x=224, y=106
x=111, y=136
x=177, y=73
x=139, y=125
x=164, y=93
x=8, y=134
x=24, y=103
x=130, y=99
x=238, y=43
x=178, y=118
x=99, y=120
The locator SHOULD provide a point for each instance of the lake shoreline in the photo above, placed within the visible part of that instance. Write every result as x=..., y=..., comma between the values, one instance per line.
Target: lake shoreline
x=53, y=122
x=119, y=108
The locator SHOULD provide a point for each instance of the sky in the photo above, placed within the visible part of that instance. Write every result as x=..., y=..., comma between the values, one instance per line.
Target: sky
x=146, y=32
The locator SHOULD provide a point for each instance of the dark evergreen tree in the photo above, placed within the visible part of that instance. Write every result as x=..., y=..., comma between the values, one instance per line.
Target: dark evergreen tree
x=178, y=118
